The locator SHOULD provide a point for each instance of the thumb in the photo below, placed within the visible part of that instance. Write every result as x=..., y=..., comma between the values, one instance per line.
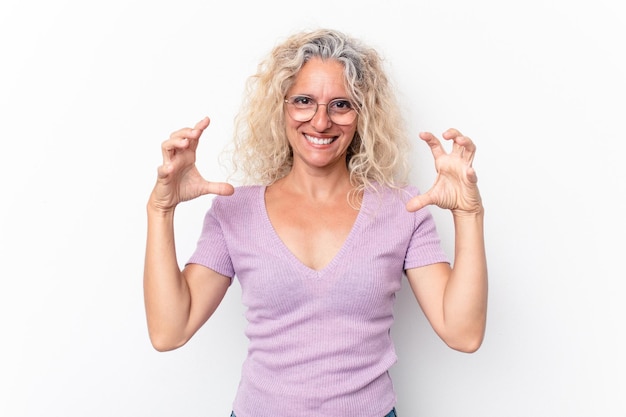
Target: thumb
x=219, y=188
x=418, y=202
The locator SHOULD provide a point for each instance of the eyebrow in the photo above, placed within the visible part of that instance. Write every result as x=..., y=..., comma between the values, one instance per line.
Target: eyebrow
x=313, y=98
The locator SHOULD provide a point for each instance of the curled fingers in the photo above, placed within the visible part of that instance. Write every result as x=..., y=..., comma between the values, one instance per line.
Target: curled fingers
x=462, y=145
x=180, y=147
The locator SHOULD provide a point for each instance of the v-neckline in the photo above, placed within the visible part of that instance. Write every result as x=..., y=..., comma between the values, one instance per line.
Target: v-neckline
x=280, y=244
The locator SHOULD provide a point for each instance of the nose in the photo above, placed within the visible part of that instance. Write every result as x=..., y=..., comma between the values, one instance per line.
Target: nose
x=321, y=120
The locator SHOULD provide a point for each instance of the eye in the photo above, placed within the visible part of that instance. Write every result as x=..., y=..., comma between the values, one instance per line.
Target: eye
x=302, y=101
x=340, y=106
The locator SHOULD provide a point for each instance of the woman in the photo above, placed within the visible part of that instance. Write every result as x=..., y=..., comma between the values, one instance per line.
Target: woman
x=321, y=241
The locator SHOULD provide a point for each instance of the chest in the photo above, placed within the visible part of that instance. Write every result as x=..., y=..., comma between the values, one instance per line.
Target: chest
x=314, y=234
x=287, y=256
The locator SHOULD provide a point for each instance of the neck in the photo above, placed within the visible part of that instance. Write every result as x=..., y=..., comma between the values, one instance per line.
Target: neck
x=315, y=185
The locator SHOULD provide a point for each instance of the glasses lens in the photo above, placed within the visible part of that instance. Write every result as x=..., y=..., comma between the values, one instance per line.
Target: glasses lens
x=303, y=108
x=341, y=112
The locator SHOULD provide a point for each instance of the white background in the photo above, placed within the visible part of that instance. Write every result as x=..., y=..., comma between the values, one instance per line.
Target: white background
x=89, y=90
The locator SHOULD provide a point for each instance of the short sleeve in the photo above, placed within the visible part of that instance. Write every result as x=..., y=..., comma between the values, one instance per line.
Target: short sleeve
x=425, y=244
x=212, y=249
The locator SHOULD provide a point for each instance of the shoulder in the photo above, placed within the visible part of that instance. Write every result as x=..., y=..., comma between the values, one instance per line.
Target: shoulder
x=244, y=198
x=242, y=194
x=394, y=196
x=388, y=204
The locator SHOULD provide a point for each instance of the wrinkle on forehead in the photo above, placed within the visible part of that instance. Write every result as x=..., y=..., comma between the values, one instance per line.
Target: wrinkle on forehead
x=322, y=80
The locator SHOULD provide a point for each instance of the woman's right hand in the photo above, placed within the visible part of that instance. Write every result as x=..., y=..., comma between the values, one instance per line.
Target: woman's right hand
x=178, y=178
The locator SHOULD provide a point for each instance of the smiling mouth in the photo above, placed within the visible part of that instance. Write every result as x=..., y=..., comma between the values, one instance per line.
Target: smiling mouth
x=319, y=141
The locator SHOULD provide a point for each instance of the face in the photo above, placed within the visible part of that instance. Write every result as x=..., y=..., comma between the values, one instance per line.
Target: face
x=319, y=143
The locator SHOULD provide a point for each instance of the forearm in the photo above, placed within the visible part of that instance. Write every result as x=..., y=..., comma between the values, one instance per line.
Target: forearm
x=166, y=293
x=465, y=298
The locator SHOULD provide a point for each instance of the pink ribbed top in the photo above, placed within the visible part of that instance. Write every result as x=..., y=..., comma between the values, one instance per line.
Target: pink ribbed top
x=320, y=341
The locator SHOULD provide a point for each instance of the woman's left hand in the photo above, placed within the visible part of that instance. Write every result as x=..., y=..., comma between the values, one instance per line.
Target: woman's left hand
x=455, y=187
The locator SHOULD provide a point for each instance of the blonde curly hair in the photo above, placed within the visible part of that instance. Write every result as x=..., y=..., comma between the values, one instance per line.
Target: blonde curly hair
x=377, y=154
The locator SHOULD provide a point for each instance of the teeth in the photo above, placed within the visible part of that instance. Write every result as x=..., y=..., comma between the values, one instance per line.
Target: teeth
x=318, y=141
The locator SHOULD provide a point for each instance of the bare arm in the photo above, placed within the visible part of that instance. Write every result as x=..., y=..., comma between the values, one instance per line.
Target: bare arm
x=454, y=299
x=177, y=302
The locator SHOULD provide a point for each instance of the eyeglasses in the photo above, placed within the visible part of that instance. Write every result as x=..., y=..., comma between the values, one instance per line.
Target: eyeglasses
x=303, y=108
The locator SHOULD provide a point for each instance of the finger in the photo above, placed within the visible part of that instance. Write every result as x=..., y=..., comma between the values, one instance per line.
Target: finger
x=435, y=144
x=460, y=139
x=451, y=133
x=419, y=201
x=219, y=188
x=191, y=133
x=164, y=170
x=202, y=124
x=194, y=135
x=172, y=146
x=462, y=145
x=183, y=139
x=471, y=175
x=468, y=146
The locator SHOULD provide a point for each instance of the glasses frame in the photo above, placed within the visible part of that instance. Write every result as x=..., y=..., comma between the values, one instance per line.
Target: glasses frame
x=288, y=102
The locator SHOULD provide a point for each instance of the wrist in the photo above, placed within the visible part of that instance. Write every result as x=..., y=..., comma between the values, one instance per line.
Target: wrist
x=477, y=213
x=158, y=210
